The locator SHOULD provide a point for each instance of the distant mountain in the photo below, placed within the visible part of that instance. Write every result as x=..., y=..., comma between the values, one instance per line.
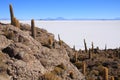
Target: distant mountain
x=58, y=18
x=62, y=18
x=4, y=18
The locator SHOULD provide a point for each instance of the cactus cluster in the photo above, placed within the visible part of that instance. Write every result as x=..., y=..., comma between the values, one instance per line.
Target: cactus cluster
x=14, y=21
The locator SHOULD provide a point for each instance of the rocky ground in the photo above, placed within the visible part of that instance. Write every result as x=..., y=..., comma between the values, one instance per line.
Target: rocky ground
x=23, y=57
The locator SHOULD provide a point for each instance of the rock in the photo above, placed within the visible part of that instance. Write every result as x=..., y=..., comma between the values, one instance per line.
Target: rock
x=4, y=42
x=29, y=59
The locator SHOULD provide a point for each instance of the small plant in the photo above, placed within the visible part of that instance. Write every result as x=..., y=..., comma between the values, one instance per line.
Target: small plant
x=10, y=35
x=105, y=73
x=60, y=41
x=112, y=78
x=16, y=22
x=50, y=76
x=71, y=74
x=50, y=41
x=85, y=46
x=78, y=65
x=59, y=69
x=33, y=31
x=62, y=66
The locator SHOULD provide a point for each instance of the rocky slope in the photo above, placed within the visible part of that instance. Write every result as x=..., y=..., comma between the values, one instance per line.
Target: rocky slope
x=25, y=58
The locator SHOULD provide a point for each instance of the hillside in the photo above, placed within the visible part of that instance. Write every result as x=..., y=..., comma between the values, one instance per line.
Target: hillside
x=31, y=53
x=25, y=58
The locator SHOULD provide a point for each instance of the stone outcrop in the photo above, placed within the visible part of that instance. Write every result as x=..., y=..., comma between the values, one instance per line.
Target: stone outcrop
x=25, y=58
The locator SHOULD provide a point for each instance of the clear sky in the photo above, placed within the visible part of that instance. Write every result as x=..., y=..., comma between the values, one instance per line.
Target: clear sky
x=40, y=9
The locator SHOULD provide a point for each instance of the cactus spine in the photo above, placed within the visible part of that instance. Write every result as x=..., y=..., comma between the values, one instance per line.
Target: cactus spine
x=33, y=31
x=83, y=67
x=105, y=73
x=85, y=46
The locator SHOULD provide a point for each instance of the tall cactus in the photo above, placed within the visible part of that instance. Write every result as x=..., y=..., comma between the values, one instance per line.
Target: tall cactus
x=33, y=31
x=76, y=56
x=60, y=41
x=83, y=67
x=92, y=47
x=14, y=21
x=105, y=47
x=105, y=73
x=59, y=37
x=11, y=14
x=85, y=46
x=74, y=47
x=90, y=54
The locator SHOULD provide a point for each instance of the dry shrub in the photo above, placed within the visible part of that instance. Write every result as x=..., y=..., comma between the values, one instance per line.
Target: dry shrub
x=50, y=76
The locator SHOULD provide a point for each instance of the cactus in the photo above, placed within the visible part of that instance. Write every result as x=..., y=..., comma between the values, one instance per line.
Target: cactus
x=92, y=48
x=50, y=42
x=74, y=47
x=59, y=37
x=14, y=21
x=105, y=47
x=105, y=73
x=83, y=67
x=71, y=74
x=112, y=78
x=85, y=46
x=76, y=56
x=33, y=31
x=60, y=41
x=90, y=54
x=11, y=14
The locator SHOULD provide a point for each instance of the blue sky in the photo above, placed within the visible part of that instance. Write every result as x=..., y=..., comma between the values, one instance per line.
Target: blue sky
x=40, y=9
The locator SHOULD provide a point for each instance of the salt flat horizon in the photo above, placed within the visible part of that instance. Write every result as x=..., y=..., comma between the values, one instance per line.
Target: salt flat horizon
x=100, y=32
